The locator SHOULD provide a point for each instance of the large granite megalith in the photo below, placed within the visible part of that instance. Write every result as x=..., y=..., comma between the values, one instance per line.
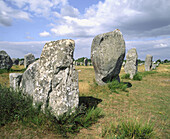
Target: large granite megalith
x=107, y=54
x=148, y=62
x=5, y=60
x=28, y=59
x=53, y=80
x=131, y=66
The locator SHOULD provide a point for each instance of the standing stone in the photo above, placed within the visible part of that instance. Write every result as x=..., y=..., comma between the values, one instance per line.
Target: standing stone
x=131, y=66
x=78, y=63
x=154, y=66
x=21, y=62
x=123, y=64
x=15, y=61
x=28, y=59
x=5, y=60
x=53, y=80
x=107, y=54
x=81, y=63
x=85, y=62
x=15, y=79
x=148, y=62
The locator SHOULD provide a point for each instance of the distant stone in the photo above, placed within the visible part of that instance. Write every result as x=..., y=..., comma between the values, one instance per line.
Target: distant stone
x=141, y=64
x=154, y=66
x=107, y=54
x=77, y=63
x=15, y=61
x=15, y=79
x=81, y=63
x=5, y=60
x=53, y=80
x=123, y=64
x=131, y=66
x=28, y=59
x=85, y=62
x=21, y=62
x=148, y=62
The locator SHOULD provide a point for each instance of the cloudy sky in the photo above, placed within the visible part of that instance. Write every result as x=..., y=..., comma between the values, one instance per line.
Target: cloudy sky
x=25, y=25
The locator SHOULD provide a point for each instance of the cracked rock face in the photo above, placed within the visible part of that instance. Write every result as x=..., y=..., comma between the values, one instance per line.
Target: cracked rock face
x=107, y=54
x=5, y=60
x=131, y=65
x=53, y=79
x=148, y=62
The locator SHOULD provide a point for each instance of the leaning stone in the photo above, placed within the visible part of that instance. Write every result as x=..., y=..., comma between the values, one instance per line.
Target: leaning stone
x=148, y=62
x=131, y=66
x=28, y=59
x=15, y=79
x=5, y=60
x=107, y=54
x=52, y=80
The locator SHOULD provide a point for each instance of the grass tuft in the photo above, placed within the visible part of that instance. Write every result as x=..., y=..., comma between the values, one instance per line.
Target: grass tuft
x=115, y=85
x=125, y=76
x=137, y=77
x=128, y=129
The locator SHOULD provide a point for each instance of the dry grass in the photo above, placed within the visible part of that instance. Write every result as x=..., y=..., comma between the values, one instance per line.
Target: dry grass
x=147, y=100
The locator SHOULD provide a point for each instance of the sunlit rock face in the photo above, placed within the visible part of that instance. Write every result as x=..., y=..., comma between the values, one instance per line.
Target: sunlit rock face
x=53, y=80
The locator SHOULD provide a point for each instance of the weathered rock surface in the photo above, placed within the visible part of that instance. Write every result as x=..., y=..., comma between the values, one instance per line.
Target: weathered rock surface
x=85, y=62
x=53, y=80
x=28, y=59
x=107, y=54
x=5, y=60
x=15, y=79
x=131, y=66
x=15, y=61
x=148, y=62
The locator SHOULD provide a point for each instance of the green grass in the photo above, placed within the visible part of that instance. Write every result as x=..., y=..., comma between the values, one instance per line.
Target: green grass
x=137, y=77
x=125, y=76
x=128, y=129
x=16, y=107
x=115, y=86
x=11, y=70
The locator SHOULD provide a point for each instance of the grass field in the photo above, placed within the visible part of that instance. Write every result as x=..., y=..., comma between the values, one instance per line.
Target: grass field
x=145, y=102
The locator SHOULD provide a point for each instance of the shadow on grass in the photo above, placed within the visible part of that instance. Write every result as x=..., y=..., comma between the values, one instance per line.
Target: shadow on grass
x=89, y=101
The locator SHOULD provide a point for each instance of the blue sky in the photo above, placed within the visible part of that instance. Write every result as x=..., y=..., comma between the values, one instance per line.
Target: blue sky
x=25, y=25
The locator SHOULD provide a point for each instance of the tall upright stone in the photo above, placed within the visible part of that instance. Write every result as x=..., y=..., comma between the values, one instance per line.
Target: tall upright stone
x=85, y=62
x=28, y=59
x=148, y=62
x=53, y=80
x=131, y=66
x=5, y=60
x=107, y=54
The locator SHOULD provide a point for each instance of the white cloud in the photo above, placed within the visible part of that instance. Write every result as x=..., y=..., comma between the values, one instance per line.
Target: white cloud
x=7, y=14
x=44, y=34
